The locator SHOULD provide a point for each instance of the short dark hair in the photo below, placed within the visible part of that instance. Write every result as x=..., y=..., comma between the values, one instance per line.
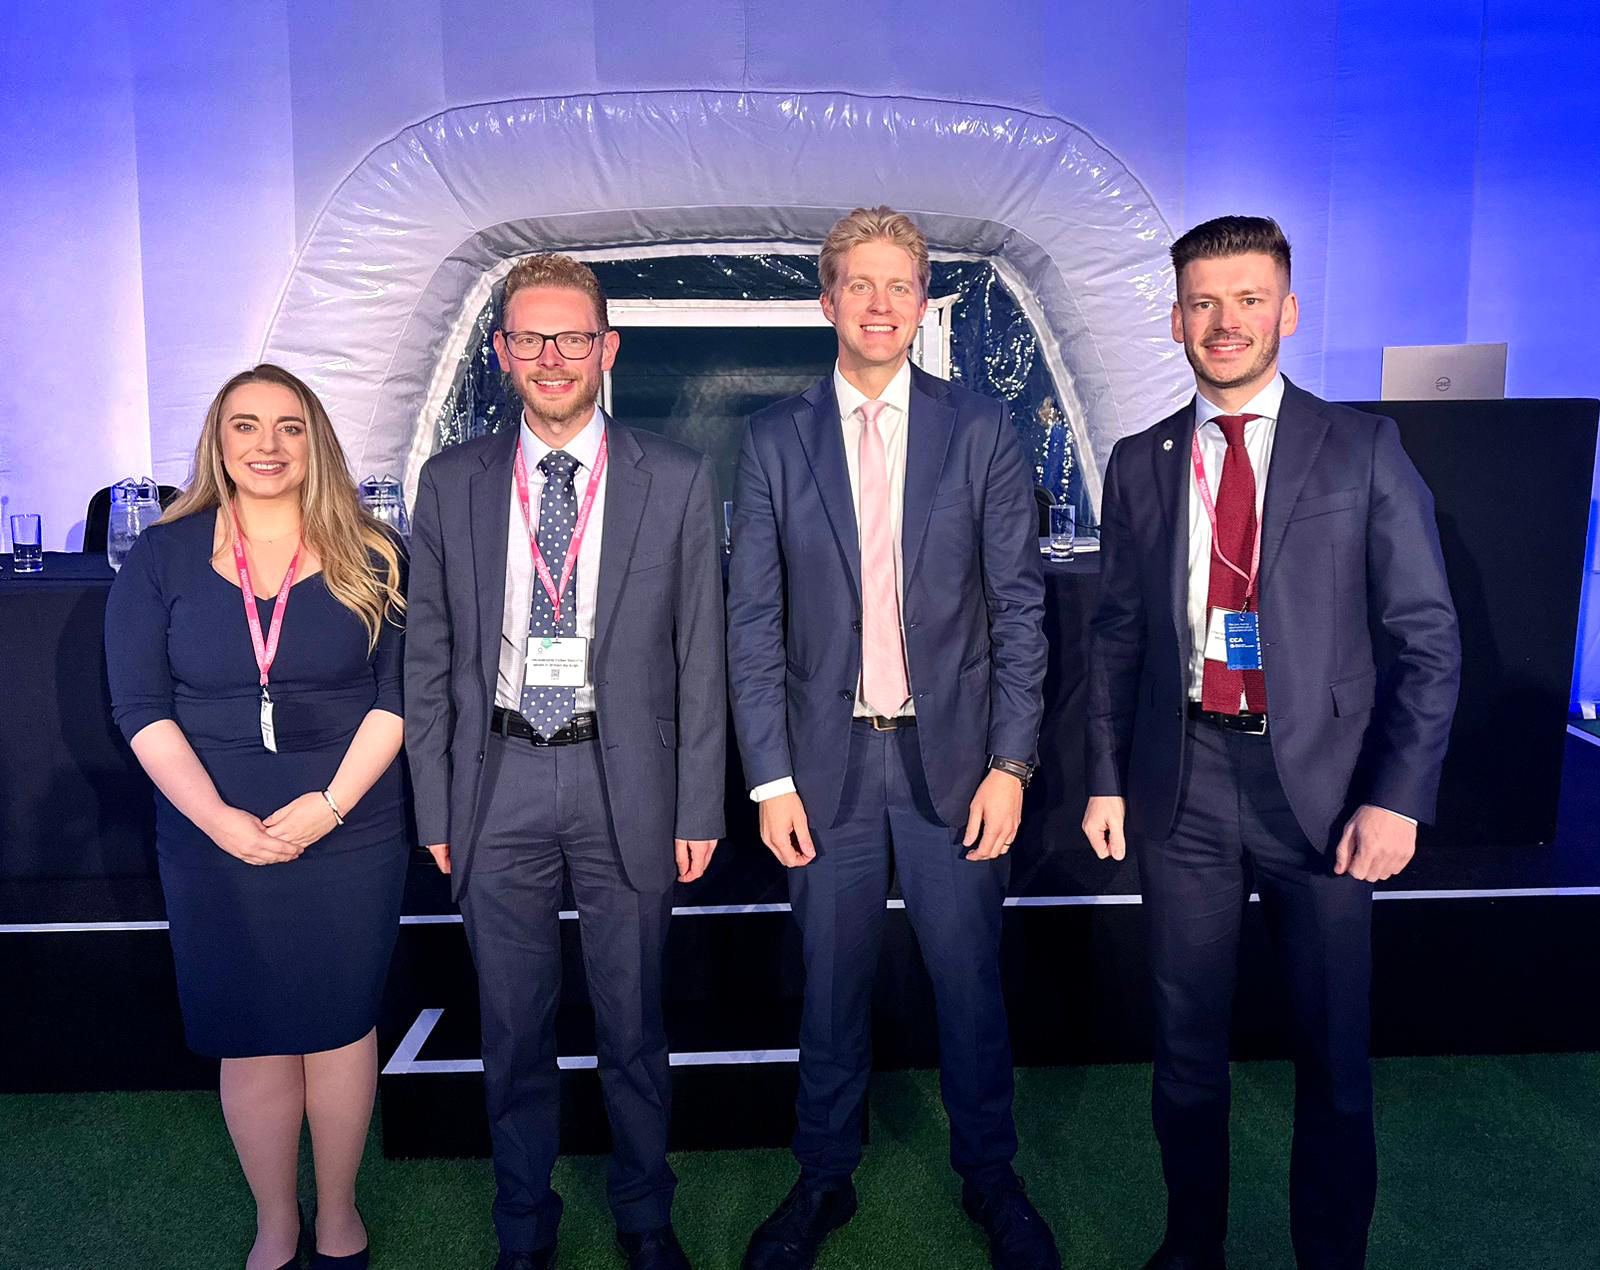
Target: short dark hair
x=1231, y=236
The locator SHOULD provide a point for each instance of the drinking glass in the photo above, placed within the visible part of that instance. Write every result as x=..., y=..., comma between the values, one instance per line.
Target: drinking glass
x=27, y=543
x=135, y=506
x=381, y=496
x=1063, y=529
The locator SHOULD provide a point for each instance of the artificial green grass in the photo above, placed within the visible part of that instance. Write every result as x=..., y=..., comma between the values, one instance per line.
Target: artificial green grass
x=1486, y=1162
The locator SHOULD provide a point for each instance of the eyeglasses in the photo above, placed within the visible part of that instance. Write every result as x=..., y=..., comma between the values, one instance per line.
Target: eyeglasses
x=572, y=345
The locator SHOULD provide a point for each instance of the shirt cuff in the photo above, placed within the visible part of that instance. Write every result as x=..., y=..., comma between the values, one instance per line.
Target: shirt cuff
x=783, y=785
x=1410, y=820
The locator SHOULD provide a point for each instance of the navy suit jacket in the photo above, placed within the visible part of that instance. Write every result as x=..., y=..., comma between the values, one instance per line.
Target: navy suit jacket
x=1351, y=579
x=973, y=608
x=656, y=661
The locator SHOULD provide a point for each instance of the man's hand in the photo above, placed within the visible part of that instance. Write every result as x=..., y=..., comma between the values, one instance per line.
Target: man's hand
x=996, y=809
x=1375, y=845
x=440, y=851
x=785, y=830
x=244, y=837
x=693, y=856
x=302, y=821
x=1102, y=826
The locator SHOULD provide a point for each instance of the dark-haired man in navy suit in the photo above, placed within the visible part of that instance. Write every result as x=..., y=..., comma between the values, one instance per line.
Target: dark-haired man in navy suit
x=1273, y=672
x=885, y=631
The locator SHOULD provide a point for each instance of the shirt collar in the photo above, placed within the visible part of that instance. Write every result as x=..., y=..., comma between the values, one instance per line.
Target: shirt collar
x=585, y=446
x=1265, y=403
x=897, y=394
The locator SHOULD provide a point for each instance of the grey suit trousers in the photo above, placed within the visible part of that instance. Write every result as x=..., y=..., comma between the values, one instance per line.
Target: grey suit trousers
x=545, y=817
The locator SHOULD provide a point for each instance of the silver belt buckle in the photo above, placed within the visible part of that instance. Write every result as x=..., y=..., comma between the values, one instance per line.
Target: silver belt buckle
x=881, y=723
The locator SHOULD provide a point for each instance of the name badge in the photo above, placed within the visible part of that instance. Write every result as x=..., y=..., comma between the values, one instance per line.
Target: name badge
x=1234, y=639
x=556, y=661
x=269, y=734
x=1242, y=632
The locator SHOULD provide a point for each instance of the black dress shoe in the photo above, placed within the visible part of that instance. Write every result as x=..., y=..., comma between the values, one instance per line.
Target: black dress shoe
x=350, y=1261
x=656, y=1249
x=790, y=1238
x=1019, y=1239
x=1166, y=1258
x=538, y=1259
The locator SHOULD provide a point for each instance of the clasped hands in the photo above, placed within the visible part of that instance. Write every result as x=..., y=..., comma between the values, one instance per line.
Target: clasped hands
x=281, y=837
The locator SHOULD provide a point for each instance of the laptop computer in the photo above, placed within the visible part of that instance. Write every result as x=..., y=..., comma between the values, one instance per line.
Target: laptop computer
x=1433, y=372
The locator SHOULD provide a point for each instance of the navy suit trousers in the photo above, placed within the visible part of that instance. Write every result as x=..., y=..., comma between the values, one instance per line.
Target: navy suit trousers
x=1235, y=830
x=886, y=825
x=546, y=816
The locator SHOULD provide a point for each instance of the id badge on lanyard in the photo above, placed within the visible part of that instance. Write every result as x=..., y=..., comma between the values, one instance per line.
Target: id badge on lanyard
x=557, y=661
x=265, y=647
x=1232, y=637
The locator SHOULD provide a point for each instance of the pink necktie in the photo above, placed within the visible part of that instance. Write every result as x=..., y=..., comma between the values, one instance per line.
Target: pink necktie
x=883, y=659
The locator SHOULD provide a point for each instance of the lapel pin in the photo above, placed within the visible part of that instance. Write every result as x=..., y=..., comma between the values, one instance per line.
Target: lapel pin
x=1167, y=444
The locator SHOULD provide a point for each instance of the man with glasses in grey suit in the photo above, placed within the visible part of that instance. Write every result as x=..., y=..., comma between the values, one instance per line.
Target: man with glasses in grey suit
x=566, y=721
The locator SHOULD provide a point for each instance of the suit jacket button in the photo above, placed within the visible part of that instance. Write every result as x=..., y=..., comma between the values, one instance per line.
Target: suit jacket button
x=856, y=627
x=845, y=694
x=480, y=756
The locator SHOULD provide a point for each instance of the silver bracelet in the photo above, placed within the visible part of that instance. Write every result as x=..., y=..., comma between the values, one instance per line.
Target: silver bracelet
x=332, y=806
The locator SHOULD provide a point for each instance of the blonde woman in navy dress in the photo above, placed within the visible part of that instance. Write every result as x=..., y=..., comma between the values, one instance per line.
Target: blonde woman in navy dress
x=253, y=641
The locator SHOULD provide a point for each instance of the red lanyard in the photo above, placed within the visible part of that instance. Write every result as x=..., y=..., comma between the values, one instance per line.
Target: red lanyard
x=571, y=562
x=1211, y=515
x=266, y=650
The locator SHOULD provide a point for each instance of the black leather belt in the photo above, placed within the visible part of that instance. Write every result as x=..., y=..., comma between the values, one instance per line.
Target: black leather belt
x=582, y=727
x=883, y=723
x=1250, y=724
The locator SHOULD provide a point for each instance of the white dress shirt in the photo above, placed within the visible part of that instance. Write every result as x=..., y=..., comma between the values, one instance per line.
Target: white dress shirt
x=893, y=426
x=520, y=575
x=1258, y=436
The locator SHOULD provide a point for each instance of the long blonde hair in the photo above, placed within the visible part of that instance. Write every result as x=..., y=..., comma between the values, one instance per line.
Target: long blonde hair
x=332, y=521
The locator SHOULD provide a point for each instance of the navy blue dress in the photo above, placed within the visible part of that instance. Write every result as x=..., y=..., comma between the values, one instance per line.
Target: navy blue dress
x=280, y=958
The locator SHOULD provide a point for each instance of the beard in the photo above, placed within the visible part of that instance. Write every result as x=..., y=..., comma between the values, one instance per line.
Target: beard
x=1266, y=355
x=578, y=405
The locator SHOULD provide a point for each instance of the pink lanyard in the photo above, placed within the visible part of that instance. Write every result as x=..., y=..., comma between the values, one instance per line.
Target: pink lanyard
x=1211, y=515
x=266, y=650
x=571, y=562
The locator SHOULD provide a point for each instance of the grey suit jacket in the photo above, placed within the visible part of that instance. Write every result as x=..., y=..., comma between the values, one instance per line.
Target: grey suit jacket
x=657, y=661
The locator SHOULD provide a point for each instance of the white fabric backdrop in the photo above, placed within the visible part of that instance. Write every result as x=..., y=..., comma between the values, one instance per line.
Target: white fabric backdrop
x=1432, y=162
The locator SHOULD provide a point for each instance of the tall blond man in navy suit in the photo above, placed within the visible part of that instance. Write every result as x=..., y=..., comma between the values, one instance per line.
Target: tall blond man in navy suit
x=887, y=653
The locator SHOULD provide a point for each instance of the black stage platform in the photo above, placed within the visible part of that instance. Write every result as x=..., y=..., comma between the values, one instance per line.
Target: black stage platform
x=1486, y=944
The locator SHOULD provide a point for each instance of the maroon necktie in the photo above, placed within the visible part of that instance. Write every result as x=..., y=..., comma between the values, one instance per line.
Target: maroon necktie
x=1221, y=688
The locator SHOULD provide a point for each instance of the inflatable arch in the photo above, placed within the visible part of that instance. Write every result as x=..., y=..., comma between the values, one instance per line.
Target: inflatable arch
x=401, y=258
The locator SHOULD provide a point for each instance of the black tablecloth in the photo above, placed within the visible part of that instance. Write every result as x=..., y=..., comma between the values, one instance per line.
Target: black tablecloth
x=74, y=804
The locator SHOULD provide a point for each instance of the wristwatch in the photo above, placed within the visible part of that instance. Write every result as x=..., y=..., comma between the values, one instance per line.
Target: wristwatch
x=1022, y=771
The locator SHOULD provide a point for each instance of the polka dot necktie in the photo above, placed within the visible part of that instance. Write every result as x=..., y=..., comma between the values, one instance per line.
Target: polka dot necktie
x=551, y=709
